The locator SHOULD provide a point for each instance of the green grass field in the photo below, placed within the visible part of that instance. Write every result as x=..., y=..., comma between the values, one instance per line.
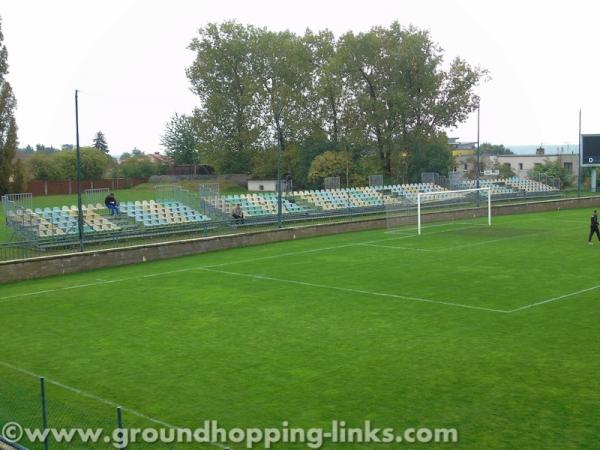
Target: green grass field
x=494, y=331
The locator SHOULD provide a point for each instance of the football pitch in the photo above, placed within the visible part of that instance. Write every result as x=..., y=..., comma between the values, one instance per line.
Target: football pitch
x=493, y=331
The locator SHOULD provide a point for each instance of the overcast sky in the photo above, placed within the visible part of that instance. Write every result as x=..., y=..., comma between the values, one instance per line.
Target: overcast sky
x=128, y=59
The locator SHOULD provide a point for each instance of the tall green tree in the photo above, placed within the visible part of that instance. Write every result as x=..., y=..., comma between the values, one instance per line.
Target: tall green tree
x=229, y=121
x=180, y=140
x=62, y=165
x=330, y=164
x=283, y=67
x=329, y=99
x=19, y=179
x=100, y=142
x=8, y=125
x=491, y=149
x=403, y=96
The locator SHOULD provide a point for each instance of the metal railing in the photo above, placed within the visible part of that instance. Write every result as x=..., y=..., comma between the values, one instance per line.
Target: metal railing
x=29, y=245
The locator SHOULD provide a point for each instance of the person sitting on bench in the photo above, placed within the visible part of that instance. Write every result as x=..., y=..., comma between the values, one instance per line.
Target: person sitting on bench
x=237, y=214
x=112, y=204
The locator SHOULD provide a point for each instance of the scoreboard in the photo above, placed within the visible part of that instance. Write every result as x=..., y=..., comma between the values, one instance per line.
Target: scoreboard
x=590, y=150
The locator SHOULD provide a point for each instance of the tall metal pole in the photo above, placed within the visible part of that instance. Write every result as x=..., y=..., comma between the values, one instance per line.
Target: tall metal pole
x=44, y=411
x=279, y=199
x=478, y=153
x=79, y=208
x=279, y=154
x=579, y=158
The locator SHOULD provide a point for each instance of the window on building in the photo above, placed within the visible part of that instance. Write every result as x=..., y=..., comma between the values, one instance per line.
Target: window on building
x=465, y=167
x=568, y=166
x=520, y=166
x=537, y=164
x=507, y=165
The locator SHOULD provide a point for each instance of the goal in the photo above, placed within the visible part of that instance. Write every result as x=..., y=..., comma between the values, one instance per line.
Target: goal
x=413, y=209
x=466, y=203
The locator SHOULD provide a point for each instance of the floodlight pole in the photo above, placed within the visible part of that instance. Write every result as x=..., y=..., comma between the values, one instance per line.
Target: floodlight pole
x=279, y=153
x=478, y=153
x=79, y=208
x=579, y=158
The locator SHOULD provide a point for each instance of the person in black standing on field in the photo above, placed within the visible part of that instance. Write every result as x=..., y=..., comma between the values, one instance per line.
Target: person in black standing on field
x=594, y=227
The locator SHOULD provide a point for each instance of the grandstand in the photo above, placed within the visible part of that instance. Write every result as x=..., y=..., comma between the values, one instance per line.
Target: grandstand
x=510, y=187
x=152, y=213
x=180, y=211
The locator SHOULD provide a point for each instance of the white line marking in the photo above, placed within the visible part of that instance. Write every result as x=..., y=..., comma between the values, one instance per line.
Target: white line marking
x=96, y=398
x=554, y=299
x=280, y=255
x=357, y=291
x=491, y=241
x=398, y=248
x=416, y=235
x=404, y=230
x=240, y=261
x=97, y=283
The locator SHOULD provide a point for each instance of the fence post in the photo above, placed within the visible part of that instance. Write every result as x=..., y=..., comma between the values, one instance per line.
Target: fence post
x=120, y=427
x=44, y=412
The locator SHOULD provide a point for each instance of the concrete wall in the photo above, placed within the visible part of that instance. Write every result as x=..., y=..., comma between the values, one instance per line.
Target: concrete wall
x=77, y=262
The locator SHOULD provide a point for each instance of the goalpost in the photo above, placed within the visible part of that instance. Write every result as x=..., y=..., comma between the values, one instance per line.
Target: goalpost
x=464, y=198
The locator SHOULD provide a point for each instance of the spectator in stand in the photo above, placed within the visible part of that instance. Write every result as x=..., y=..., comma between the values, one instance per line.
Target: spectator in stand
x=238, y=214
x=112, y=204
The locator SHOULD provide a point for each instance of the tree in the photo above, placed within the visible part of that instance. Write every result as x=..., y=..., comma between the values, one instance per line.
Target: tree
x=100, y=142
x=180, y=140
x=230, y=122
x=402, y=96
x=430, y=156
x=27, y=150
x=139, y=167
x=125, y=156
x=8, y=125
x=490, y=149
x=327, y=109
x=282, y=65
x=43, y=166
x=329, y=164
x=553, y=169
x=382, y=93
x=19, y=181
x=63, y=165
x=40, y=148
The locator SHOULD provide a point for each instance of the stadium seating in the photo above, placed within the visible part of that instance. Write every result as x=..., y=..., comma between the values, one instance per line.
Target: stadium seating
x=256, y=205
x=529, y=186
x=151, y=213
x=28, y=223
x=512, y=185
x=62, y=221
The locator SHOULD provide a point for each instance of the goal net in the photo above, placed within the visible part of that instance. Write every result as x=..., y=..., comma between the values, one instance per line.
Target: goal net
x=438, y=208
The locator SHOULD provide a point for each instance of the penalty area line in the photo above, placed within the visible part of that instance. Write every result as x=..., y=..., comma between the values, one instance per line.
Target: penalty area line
x=356, y=291
x=13, y=297
x=397, y=248
x=555, y=299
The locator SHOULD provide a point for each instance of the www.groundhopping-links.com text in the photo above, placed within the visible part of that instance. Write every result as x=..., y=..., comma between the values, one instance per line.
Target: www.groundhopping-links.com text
x=212, y=433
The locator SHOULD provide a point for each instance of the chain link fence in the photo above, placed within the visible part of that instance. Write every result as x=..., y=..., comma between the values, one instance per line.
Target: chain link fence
x=38, y=413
